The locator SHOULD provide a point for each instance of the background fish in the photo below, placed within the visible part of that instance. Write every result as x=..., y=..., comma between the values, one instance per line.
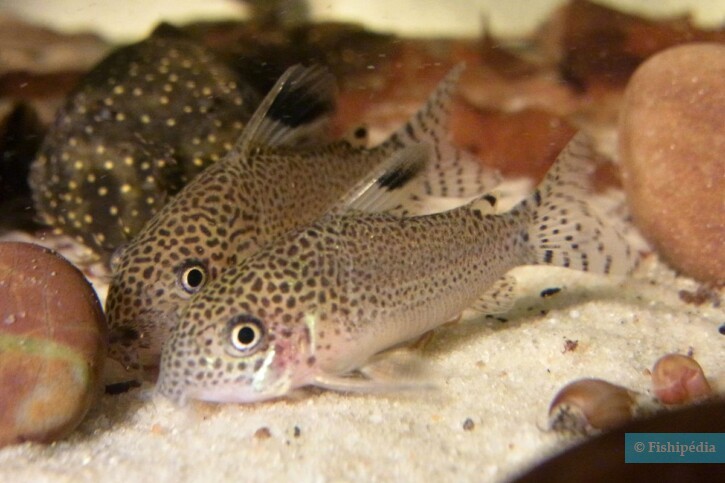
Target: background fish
x=139, y=126
x=274, y=180
x=319, y=302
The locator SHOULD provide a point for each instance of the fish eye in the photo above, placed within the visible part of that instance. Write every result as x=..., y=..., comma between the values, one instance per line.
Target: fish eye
x=246, y=333
x=192, y=276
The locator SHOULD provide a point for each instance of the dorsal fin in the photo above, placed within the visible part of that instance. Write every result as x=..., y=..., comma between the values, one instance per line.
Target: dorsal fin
x=396, y=187
x=295, y=111
x=388, y=186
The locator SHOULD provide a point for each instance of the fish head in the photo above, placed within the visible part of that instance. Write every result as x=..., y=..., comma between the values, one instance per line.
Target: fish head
x=143, y=300
x=238, y=341
x=188, y=243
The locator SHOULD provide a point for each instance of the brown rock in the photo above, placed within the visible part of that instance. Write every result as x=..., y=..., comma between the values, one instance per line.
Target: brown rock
x=523, y=143
x=52, y=344
x=599, y=46
x=672, y=140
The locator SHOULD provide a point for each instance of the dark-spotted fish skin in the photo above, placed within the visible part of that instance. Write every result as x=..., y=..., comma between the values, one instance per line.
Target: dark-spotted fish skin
x=259, y=192
x=140, y=125
x=319, y=302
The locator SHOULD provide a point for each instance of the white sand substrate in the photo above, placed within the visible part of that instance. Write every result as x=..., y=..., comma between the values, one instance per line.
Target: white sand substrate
x=500, y=375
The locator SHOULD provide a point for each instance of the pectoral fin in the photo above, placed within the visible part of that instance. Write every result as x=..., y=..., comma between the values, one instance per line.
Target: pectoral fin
x=364, y=385
x=396, y=370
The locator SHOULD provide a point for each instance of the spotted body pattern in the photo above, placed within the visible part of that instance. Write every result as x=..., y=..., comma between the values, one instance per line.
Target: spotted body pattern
x=267, y=186
x=139, y=126
x=314, y=306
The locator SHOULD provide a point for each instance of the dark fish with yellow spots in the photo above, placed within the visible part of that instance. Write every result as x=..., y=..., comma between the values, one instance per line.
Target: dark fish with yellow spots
x=140, y=125
x=266, y=186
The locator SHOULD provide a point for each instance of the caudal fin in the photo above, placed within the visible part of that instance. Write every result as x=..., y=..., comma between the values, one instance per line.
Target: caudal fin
x=563, y=230
x=452, y=172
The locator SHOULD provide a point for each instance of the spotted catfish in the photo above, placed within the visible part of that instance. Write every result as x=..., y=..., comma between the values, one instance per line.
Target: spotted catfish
x=314, y=306
x=266, y=186
x=138, y=127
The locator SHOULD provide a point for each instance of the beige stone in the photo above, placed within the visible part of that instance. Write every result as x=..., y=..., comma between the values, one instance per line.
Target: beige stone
x=672, y=146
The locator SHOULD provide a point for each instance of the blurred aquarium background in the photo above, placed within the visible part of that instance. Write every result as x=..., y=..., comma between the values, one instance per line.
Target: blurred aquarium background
x=133, y=19
x=537, y=70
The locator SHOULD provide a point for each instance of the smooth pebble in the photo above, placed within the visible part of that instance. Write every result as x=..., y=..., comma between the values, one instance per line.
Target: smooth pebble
x=672, y=140
x=52, y=344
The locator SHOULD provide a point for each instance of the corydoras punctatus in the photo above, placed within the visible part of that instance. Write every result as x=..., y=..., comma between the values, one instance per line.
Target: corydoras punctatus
x=314, y=306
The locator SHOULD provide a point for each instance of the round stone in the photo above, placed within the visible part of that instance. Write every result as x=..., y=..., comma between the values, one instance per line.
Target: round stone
x=52, y=344
x=672, y=140
x=679, y=379
x=591, y=404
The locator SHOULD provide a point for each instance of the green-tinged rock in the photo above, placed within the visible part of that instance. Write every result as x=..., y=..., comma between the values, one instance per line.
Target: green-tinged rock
x=52, y=344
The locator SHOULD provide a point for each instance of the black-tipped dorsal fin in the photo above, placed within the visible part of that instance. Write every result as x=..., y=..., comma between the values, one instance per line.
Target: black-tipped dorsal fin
x=295, y=112
x=390, y=185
